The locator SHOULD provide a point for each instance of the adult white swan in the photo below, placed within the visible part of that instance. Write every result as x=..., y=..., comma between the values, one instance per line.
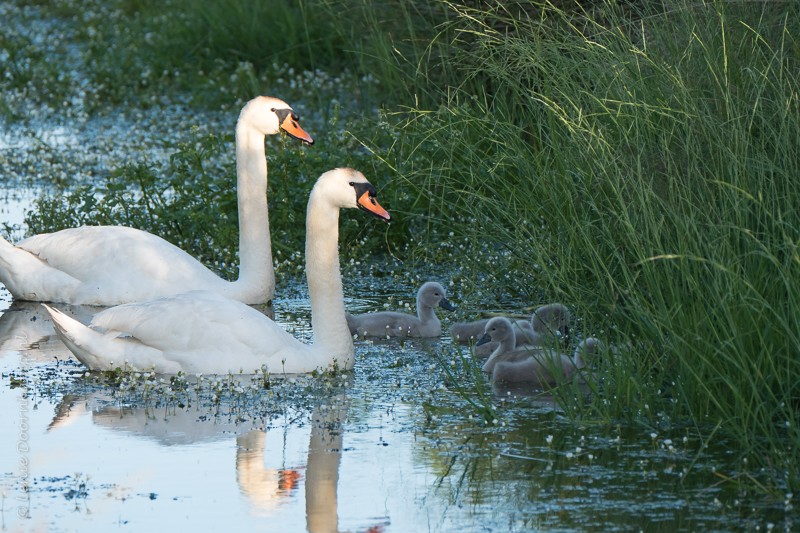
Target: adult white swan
x=110, y=265
x=201, y=331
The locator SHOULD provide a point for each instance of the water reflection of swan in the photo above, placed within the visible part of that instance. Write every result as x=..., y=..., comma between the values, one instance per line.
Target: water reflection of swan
x=265, y=488
x=322, y=469
x=269, y=466
x=26, y=326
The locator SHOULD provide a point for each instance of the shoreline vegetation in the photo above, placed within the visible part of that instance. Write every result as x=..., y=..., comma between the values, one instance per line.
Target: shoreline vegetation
x=635, y=160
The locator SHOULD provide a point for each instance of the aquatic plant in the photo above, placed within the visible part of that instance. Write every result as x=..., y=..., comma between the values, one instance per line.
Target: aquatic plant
x=464, y=376
x=641, y=173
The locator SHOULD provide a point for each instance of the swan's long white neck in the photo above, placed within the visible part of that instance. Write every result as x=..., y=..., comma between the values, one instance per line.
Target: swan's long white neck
x=328, y=320
x=256, y=275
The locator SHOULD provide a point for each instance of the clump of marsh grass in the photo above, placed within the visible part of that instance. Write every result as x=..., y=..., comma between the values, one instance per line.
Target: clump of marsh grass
x=641, y=172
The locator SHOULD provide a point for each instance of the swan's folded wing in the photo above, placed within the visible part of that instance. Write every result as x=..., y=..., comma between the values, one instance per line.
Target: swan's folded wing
x=121, y=250
x=196, y=321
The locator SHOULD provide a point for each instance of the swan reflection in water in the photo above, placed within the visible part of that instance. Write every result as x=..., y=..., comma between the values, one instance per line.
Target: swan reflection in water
x=265, y=486
x=26, y=327
x=262, y=479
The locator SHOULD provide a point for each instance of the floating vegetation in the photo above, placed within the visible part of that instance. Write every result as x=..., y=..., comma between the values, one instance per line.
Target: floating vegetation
x=252, y=399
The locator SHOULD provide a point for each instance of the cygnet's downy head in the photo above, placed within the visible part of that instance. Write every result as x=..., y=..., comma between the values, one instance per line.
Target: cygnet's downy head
x=551, y=320
x=433, y=294
x=497, y=329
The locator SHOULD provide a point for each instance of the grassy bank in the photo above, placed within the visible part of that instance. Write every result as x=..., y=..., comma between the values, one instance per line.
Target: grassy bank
x=633, y=160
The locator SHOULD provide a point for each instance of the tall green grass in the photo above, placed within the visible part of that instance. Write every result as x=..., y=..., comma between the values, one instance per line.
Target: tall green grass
x=642, y=172
x=216, y=50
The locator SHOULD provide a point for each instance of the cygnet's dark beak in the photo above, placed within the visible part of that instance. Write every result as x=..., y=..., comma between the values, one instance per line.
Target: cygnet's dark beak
x=444, y=303
x=484, y=339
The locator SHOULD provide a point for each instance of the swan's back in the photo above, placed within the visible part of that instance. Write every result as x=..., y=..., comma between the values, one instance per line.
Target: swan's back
x=527, y=370
x=542, y=366
x=195, y=320
x=201, y=329
x=517, y=355
x=157, y=267
x=465, y=332
x=586, y=349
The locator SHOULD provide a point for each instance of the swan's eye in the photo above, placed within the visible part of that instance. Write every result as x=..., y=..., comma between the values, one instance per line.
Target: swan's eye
x=352, y=183
x=273, y=109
